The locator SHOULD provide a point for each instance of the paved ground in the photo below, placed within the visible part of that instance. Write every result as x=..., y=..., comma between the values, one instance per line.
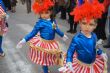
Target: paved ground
x=16, y=60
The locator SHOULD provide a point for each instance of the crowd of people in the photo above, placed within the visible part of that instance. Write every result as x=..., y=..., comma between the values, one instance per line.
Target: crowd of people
x=83, y=54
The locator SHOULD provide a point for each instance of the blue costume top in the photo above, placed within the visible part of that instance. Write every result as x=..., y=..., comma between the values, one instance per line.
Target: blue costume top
x=45, y=27
x=84, y=47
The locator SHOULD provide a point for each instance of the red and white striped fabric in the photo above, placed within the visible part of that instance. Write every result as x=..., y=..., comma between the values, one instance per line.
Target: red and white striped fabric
x=2, y=21
x=1, y=10
x=39, y=57
x=78, y=67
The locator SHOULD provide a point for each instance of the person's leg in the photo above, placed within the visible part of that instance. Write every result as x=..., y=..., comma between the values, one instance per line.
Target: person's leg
x=28, y=5
x=23, y=2
x=102, y=26
x=45, y=69
x=108, y=43
x=14, y=9
x=56, y=8
x=75, y=26
x=109, y=24
x=109, y=32
x=100, y=29
x=1, y=51
x=96, y=31
x=109, y=40
x=70, y=23
x=8, y=4
x=63, y=12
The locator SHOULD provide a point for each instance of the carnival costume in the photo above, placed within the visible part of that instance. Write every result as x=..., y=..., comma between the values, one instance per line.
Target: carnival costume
x=2, y=25
x=44, y=50
x=82, y=52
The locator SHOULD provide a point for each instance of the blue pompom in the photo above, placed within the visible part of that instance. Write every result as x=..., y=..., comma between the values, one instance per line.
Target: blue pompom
x=99, y=52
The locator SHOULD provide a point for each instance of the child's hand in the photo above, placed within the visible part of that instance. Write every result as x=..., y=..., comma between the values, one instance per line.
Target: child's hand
x=69, y=65
x=104, y=56
x=65, y=68
x=21, y=43
x=99, y=42
x=65, y=38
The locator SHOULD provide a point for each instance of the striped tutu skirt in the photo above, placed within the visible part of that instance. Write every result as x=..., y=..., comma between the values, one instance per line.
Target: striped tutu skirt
x=44, y=52
x=2, y=21
x=78, y=67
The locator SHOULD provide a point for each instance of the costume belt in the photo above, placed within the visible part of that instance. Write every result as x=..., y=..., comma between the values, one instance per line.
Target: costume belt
x=49, y=51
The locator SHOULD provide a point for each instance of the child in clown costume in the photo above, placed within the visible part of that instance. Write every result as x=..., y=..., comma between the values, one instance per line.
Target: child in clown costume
x=82, y=55
x=44, y=50
x=7, y=16
x=2, y=26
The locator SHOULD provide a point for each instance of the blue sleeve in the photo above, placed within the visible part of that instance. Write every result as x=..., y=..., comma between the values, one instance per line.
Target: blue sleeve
x=95, y=37
x=99, y=51
x=58, y=31
x=71, y=51
x=35, y=30
x=3, y=6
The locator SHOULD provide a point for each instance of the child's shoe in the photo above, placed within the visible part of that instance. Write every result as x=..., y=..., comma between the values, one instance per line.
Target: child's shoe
x=2, y=54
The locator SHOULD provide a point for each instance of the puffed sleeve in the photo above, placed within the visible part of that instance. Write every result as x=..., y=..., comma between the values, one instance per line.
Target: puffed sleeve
x=58, y=31
x=35, y=30
x=71, y=50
